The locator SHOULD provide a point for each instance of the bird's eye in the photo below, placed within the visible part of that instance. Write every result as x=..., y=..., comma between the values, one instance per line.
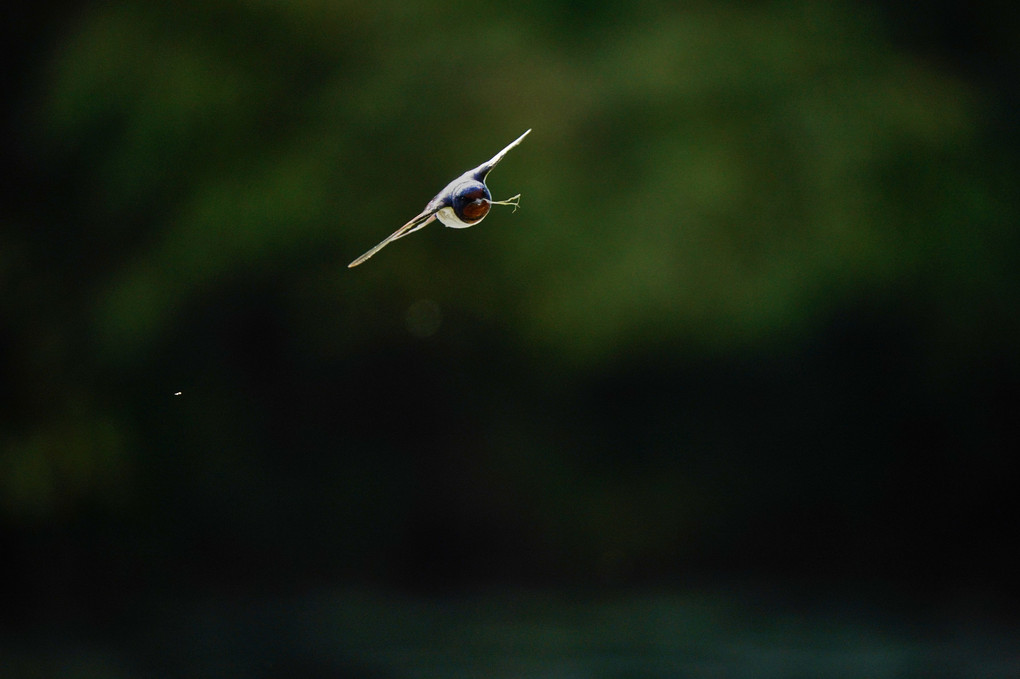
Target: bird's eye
x=471, y=202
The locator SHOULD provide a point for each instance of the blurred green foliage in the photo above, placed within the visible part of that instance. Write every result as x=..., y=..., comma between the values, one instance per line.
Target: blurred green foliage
x=760, y=297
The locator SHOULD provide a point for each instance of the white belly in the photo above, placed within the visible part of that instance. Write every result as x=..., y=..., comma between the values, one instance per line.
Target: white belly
x=449, y=218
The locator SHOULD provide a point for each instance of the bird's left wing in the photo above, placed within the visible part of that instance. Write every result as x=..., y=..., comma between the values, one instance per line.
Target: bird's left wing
x=482, y=170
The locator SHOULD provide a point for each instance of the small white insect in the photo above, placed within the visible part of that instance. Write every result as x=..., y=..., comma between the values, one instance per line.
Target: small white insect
x=462, y=203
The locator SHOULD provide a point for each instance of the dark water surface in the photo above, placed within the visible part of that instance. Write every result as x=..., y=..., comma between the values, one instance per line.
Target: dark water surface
x=532, y=634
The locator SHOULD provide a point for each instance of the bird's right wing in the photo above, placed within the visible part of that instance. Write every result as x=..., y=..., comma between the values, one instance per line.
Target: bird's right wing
x=418, y=222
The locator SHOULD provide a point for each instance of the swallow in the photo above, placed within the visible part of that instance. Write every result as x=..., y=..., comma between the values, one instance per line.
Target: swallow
x=462, y=203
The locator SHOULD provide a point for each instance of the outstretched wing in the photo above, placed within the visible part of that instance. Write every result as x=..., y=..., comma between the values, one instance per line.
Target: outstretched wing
x=418, y=222
x=482, y=170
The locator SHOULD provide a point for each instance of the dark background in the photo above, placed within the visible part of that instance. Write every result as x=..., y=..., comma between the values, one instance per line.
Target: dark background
x=751, y=339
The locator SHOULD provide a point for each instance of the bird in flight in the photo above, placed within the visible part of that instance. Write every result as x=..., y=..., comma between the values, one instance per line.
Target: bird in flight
x=464, y=202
